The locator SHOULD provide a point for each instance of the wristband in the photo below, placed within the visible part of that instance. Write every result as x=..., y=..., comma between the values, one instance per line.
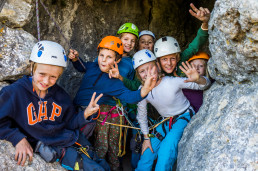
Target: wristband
x=204, y=28
x=146, y=138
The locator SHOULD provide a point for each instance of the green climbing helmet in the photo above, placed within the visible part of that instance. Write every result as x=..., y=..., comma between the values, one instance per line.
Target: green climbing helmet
x=129, y=28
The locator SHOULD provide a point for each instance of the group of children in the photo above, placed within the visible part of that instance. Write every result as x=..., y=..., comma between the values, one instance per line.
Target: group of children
x=38, y=115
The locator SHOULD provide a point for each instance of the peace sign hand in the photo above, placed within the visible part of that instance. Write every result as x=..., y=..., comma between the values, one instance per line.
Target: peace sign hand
x=202, y=14
x=150, y=81
x=114, y=72
x=190, y=71
x=93, y=107
x=73, y=55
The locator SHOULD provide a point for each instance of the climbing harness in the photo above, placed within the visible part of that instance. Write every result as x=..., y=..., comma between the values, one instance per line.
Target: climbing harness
x=172, y=121
x=56, y=25
x=82, y=149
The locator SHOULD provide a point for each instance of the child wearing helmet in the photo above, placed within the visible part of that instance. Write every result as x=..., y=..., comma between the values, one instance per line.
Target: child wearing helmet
x=146, y=40
x=167, y=49
x=37, y=114
x=170, y=56
x=195, y=97
x=96, y=79
x=167, y=97
x=128, y=33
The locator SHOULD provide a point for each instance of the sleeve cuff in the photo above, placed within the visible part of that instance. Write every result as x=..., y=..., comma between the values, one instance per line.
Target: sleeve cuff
x=17, y=138
x=202, y=32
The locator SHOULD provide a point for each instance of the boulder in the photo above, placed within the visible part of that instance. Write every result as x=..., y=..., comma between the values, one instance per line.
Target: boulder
x=7, y=161
x=224, y=135
x=16, y=13
x=15, y=49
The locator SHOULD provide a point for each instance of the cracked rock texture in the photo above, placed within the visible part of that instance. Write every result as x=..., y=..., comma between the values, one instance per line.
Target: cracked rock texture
x=224, y=135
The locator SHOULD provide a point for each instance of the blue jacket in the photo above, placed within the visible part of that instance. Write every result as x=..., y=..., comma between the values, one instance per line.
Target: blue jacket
x=54, y=122
x=95, y=80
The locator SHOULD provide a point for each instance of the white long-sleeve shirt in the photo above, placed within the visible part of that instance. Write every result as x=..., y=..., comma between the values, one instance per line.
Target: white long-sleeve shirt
x=167, y=98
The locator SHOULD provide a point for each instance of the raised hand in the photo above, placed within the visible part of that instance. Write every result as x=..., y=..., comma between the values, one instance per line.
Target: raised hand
x=93, y=107
x=22, y=149
x=150, y=81
x=202, y=14
x=114, y=72
x=190, y=71
x=73, y=55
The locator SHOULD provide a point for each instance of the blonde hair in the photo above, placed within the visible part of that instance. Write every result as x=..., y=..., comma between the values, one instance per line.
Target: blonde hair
x=206, y=68
x=34, y=67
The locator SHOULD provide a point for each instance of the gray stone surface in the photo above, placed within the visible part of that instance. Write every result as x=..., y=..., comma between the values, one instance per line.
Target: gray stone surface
x=224, y=135
x=16, y=13
x=8, y=163
x=233, y=41
x=15, y=49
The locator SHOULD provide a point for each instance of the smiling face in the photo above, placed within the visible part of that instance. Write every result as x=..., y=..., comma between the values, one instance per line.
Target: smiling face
x=45, y=76
x=200, y=66
x=128, y=41
x=146, y=42
x=143, y=70
x=106, y=58
x=168, y=63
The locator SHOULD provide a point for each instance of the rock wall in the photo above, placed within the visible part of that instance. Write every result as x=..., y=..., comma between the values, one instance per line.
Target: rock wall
x=86, y=22
x=7, y=162
x=224, y=135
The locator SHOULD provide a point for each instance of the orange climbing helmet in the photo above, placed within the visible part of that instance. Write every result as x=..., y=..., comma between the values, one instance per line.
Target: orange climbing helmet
x=112, y=43
x=199, y=55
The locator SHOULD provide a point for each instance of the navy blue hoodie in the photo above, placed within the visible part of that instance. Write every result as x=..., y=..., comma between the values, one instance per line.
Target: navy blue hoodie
x=54, y=122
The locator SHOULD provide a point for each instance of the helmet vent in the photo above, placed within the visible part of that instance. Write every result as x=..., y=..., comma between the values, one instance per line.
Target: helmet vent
x=164, y=39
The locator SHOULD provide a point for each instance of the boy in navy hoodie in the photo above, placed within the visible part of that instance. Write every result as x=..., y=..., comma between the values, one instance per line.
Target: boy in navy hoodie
x=35, y=113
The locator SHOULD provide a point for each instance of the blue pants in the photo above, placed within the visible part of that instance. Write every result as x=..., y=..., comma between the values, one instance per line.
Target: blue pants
x=165, y=150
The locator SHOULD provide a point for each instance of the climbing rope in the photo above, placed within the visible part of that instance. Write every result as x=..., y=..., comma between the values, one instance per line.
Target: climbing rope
x=37, y=15
x=56, y=25
x=132, y=127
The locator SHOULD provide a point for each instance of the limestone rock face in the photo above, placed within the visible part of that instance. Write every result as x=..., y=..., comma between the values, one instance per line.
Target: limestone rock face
x=234, y=41
x=15, y=49
x=16, y=13
x=224, y=135
x=7, y=161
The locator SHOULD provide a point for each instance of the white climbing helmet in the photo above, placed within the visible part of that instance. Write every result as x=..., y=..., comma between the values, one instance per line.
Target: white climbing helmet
x=141, y=57
x=165, y=46
x=48, y=52
x=146, y=32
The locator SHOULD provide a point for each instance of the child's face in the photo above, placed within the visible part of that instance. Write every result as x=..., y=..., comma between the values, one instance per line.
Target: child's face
x=168, y=63
x=106, y=58
x=128, y=41
x=146, y=42
x=143, y=70
x=200, y=66
x=45, y=76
